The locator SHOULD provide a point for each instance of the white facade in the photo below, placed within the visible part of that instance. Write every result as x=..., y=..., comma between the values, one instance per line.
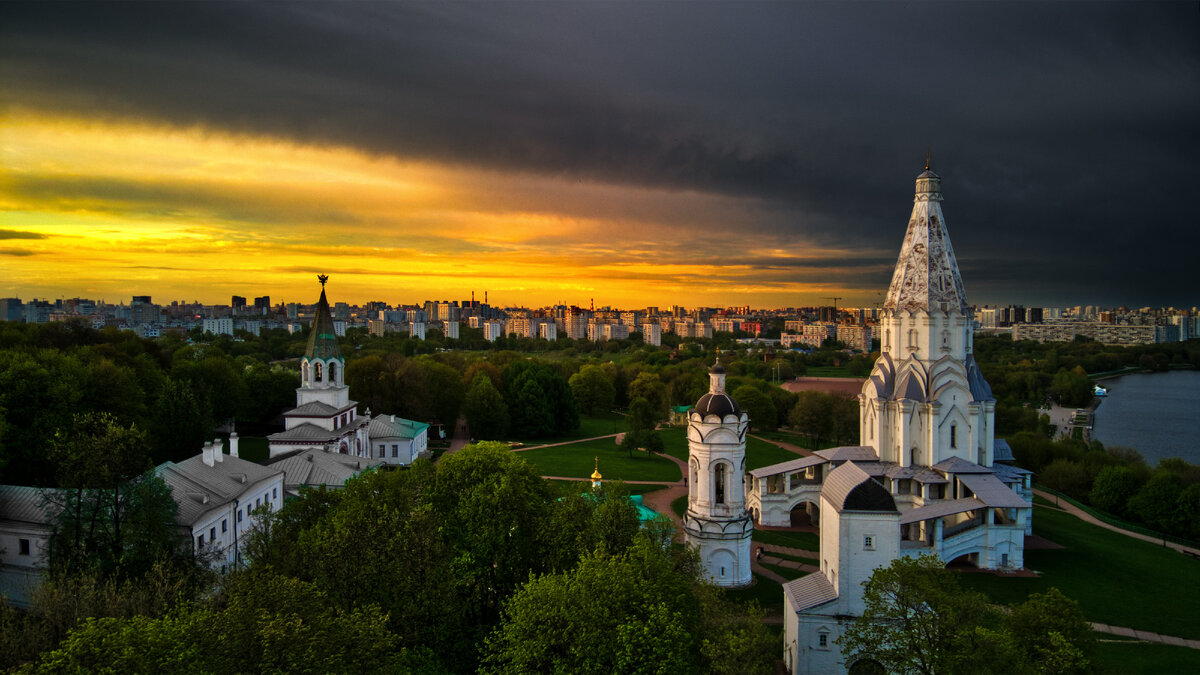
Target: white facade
x=218, y=495
x=716, y=522
x=493, y=330
x=450, y=329
x=222, y=326
x=548, y=330
x=416, y=330
x=652, y=334
x=928, y=476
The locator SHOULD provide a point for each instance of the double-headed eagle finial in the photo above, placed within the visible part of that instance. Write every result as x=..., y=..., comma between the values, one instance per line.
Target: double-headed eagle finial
x=322, y=278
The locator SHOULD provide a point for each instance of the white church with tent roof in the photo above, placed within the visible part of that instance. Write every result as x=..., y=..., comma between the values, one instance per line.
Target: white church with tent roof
x=929, y=475
x=325, y=419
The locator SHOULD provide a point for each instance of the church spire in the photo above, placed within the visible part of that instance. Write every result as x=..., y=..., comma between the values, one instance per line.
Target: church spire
x=926, y=276
x=322, y=341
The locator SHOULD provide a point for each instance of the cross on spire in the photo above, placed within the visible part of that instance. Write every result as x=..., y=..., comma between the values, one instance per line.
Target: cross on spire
x=929, y=157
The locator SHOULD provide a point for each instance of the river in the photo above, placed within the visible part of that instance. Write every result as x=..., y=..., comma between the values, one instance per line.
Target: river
x=1157, y=414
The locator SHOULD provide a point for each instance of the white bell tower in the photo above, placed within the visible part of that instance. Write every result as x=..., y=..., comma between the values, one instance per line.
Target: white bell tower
x=717, y=522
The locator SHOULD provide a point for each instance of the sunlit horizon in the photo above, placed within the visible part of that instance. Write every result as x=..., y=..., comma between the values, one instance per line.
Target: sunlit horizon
x=111, y=209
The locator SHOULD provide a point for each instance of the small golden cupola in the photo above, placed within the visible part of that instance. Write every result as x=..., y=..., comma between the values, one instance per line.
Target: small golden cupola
x=596, y=477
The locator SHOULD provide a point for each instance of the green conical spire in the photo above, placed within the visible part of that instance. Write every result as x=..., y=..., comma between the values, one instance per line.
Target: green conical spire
x=322, y=341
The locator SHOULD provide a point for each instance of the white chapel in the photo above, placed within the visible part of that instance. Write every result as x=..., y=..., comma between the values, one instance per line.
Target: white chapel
x=716, y=522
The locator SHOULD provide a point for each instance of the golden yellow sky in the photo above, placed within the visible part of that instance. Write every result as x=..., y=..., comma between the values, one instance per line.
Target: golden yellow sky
x=108, y=209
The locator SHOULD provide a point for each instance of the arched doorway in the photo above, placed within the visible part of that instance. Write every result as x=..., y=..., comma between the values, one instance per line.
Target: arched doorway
x=805, y=514
x=966, y=561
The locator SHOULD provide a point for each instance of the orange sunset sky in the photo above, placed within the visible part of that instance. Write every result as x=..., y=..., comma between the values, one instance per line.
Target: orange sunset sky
x=109, y=209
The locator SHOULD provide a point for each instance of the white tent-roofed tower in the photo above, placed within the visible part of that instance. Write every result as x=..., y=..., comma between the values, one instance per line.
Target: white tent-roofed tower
x=926, y=400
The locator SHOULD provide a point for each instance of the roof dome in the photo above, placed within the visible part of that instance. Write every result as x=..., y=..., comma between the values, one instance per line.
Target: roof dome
x=719, y=404
x=596, y=474
x=717, y=368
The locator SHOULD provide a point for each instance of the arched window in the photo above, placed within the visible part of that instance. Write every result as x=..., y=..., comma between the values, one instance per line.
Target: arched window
x=317, y=372
x=333, y=373
x=954, y=435
x=719, y=484
x=304, y=373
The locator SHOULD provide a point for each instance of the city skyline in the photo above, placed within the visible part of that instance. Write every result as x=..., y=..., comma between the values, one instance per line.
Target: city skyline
x=719, y=154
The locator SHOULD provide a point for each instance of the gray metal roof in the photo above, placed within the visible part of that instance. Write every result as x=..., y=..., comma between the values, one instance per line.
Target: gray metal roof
x=314, y=409
x=305, y=432
x=788, y=466
x=318, y=467
x=809, y=591
x=1002, y=451
x=930, y=477
x=199, y=488
x=853, y=453
x=849, y=488
x=1010, y=474
x=992, y=492
x=897, y=471
x=960, y=465
x=941, y=508
x=23, y=504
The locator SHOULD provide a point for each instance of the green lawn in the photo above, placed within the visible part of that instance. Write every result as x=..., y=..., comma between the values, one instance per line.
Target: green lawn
x=829, y=371
x=1115, y=579
x=807, y=541
x=590, y=426
x=768, y=594
x=786, y=572
x=576, y=461
x=1134, y=658
x=758, y=453
x=679, y=506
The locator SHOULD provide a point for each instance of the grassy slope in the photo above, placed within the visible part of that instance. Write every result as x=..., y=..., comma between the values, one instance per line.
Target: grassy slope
x=758, y=453
x=590, y=426
x=1115, y=579
x=576, y=460
x=1134, y=658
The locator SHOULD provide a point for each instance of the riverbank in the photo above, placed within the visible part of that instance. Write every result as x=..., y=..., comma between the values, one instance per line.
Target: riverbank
x=1152, y=413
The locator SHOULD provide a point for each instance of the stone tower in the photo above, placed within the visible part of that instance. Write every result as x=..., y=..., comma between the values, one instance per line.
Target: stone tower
x=926, y=400
x=717, y=522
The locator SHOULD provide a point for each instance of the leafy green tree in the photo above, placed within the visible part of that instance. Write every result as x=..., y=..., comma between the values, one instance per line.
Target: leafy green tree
x=1071, y=387
x=539, y=399
x=1156, y=504
x=812, y=416
x=492, y=506
x=180, y=422
x=917, y=620
x=592, y=389
x=1113, y=487
x=445, y=390
x=627, y=613
x=758, y=406
x=1051, y=630
x=649, y=386
x=485, y=410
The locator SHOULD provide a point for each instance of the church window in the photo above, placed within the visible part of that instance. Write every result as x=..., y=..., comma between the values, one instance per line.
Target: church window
x=333, y=372
x=868, y=543
x=823, y=640
x=239, y=515
x=212, y=534
x=317, y=372
x=719, y=484
x=722, y=572
x=395, y=451
x=224, y=525
x=383, y=451
x=304, y=372
x=200, y=541
x=274, y=493
x=24, y=547
x=257, y=502
x=954, y=435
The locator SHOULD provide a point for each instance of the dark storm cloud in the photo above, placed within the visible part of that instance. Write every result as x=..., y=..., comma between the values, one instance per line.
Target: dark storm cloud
x=19, y=234
x=1068, y=133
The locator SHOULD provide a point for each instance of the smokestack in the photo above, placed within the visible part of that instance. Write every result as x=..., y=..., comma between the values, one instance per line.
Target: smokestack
x=485, y=298
x=233, y=441
x=218, y=450
x=207, y=454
